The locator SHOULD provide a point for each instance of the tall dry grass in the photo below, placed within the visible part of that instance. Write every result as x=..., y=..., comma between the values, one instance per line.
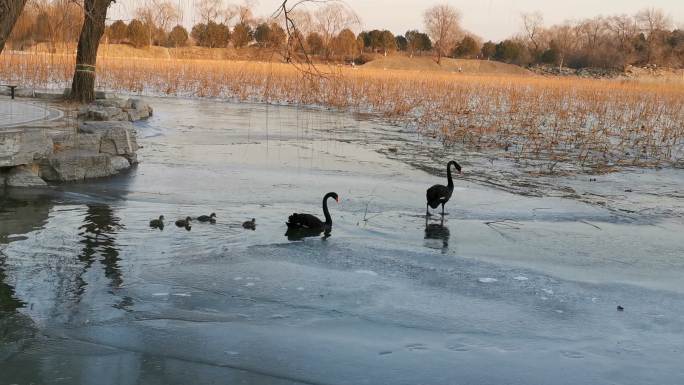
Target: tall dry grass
x=592, y=123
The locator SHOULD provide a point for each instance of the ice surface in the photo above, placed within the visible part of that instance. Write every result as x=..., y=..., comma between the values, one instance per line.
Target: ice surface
x=511, y=290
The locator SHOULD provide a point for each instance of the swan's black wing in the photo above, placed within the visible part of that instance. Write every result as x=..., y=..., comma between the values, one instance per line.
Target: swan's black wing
x=304, y=221
x=437, y=194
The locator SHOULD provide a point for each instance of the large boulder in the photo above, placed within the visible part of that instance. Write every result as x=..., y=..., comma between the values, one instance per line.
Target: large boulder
x=116, y=138
x=75, y=165
x=23, y=176
x=65, y=141
x=115, y=109
x=22, y=146
x=137, y=109
x=119, y=163
x=97, y=112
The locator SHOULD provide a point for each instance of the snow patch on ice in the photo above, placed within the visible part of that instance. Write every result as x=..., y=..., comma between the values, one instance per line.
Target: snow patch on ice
x=367, y=272
x=487, y=280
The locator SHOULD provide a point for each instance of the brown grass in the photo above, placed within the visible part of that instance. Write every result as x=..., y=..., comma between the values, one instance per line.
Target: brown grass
x=592, y=123
x=424, y=63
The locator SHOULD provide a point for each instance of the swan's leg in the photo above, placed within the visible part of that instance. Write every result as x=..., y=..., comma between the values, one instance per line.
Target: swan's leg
x=427, y=210
x=442, y=210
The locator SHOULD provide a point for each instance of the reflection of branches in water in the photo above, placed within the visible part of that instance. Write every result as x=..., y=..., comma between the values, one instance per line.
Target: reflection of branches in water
x=8, y=302
x=505, y=224
x=98, y=237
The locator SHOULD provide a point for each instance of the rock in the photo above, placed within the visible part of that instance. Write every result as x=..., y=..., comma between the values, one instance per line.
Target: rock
x=23, y=176
x=115, y=109
x=76, y=141
x=116, y=138
x=141, y=109
x=48, y=95
x=133, y=115
x=22, y=146
x=112, y=102
x=119, y=163
x=23, y=93
x=76, y=165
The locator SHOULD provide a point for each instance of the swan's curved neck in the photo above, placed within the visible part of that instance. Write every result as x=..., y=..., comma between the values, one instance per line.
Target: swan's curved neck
x=450, y=180
x=328, y=219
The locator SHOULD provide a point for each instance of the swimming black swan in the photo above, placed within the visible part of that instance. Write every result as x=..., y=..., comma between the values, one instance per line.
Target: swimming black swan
x=157, y=223
x=310, y=222
x=250, y=225
x=184, y=223
x=207, y=218
x=439, y=194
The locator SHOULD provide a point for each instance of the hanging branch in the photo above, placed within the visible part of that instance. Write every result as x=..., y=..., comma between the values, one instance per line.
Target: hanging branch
x=307, y=66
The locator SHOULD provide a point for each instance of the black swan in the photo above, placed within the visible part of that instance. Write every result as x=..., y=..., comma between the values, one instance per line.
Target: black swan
x=249, y=225
x=207, y=218
x=439, y=194
x=310, y=222
x=157, y=223
x=184, y=223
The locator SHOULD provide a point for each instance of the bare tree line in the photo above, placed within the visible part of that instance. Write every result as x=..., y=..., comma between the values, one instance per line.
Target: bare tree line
x=648, y=37
x=326, y=31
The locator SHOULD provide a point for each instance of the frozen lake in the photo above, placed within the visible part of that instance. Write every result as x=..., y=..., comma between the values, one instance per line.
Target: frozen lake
x=512, y=290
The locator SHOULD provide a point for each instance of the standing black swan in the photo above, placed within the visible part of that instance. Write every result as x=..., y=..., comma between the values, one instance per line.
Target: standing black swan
x=439, y=194
x=311, y=223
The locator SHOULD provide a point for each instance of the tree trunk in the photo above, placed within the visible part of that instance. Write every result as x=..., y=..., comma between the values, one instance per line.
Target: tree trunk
x=9, y=13
x=83, y=85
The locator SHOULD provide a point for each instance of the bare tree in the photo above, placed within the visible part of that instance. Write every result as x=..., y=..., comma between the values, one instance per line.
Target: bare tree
x=623, y=28
x=159, y=16
x=83, y=85
x=210, y=10
x=330, y=20
x=442, y=23
x=57, y=21
x=652, y=22
x=9, y=13
x=564, y=39
x=591, y=32
x=533, y=25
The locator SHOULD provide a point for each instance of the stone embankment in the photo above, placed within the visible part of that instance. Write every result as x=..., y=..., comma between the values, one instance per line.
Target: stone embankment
x=104, y=143
x=649, y=70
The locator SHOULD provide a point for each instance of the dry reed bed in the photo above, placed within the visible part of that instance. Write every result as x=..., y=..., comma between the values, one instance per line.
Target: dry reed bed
x=594, y=124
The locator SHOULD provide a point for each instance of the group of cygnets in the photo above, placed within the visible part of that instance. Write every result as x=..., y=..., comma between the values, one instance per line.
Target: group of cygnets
x=187, y=222
x=302, y=225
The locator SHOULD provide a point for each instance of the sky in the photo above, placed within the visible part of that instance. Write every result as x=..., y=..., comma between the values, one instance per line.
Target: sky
x=490, y=19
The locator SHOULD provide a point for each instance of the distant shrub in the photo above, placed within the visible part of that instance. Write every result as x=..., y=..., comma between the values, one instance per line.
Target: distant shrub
x=178, y=37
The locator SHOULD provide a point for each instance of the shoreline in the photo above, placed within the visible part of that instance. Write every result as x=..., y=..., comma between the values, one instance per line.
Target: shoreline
x=618, y=189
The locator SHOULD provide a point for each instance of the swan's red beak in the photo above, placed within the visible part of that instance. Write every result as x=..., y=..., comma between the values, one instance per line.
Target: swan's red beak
x=338, y=199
